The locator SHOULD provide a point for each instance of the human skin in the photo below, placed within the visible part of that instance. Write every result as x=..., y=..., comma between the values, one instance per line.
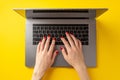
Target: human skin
x=72, y=53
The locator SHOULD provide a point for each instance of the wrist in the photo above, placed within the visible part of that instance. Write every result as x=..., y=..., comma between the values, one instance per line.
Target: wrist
x=80, y=67
x=82, y=71
x=37, y=74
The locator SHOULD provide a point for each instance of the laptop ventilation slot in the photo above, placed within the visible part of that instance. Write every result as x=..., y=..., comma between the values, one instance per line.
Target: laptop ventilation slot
x=60, y=18
x=60, y=11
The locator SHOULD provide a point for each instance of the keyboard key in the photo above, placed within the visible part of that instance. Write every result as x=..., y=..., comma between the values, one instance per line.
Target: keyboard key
x=57, y=30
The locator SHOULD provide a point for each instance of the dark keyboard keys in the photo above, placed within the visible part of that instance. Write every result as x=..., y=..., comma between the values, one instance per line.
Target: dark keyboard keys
x=58, y=30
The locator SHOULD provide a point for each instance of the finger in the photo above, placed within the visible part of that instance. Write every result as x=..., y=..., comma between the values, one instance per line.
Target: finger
x=38, y=47
x=42, y=43
x=80, y=44
x=47, y=43
x=52, y=46
x=75, y=40
x=67, y=46
x=54, y=55
x=64, y=52
x=69, y=39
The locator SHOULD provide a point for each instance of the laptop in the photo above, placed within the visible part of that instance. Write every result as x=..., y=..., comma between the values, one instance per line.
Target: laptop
x=80, y=22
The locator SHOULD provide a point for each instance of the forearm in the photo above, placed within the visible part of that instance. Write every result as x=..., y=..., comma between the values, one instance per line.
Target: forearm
x=82, y=72
x=37, y=75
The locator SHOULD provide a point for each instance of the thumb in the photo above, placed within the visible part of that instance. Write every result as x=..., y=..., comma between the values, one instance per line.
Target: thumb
x=54, y=55
x=64, y=52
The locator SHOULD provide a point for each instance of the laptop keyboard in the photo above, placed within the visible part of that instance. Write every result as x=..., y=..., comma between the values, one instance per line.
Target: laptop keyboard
x=57, y=30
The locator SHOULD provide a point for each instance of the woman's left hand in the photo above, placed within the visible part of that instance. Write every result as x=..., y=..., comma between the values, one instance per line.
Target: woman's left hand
x=45, y=56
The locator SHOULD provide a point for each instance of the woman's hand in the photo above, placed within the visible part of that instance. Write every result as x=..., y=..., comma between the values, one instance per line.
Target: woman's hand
x=73, y=50
x=45, y=56
x=73, y=54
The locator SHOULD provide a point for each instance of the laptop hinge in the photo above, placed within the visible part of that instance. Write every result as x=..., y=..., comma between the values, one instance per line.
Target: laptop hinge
x=61, y=14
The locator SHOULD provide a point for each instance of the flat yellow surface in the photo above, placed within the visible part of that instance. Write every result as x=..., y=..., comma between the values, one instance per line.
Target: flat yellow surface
x=12, y=40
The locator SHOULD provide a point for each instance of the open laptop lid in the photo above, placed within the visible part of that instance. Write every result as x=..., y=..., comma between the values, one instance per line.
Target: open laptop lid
x=79, y=13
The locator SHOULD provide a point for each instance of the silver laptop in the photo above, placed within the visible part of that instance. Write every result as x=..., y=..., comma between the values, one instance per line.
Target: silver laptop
x=80, y=22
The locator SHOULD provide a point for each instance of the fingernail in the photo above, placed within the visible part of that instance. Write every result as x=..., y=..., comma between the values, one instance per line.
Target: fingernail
x=44, y=37
x=57, y=52
x=61, y=48
x=40, y=40
x=71, y=33
x=54, y=38
x=67, y=33
x=48, y=35
x=61, y=37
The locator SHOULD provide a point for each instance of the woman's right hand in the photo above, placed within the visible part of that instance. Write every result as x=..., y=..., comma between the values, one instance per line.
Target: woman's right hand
x=73, y=51
x=73, y=54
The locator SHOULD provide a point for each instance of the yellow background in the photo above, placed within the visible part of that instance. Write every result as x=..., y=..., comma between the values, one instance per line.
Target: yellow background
x=12, y=40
